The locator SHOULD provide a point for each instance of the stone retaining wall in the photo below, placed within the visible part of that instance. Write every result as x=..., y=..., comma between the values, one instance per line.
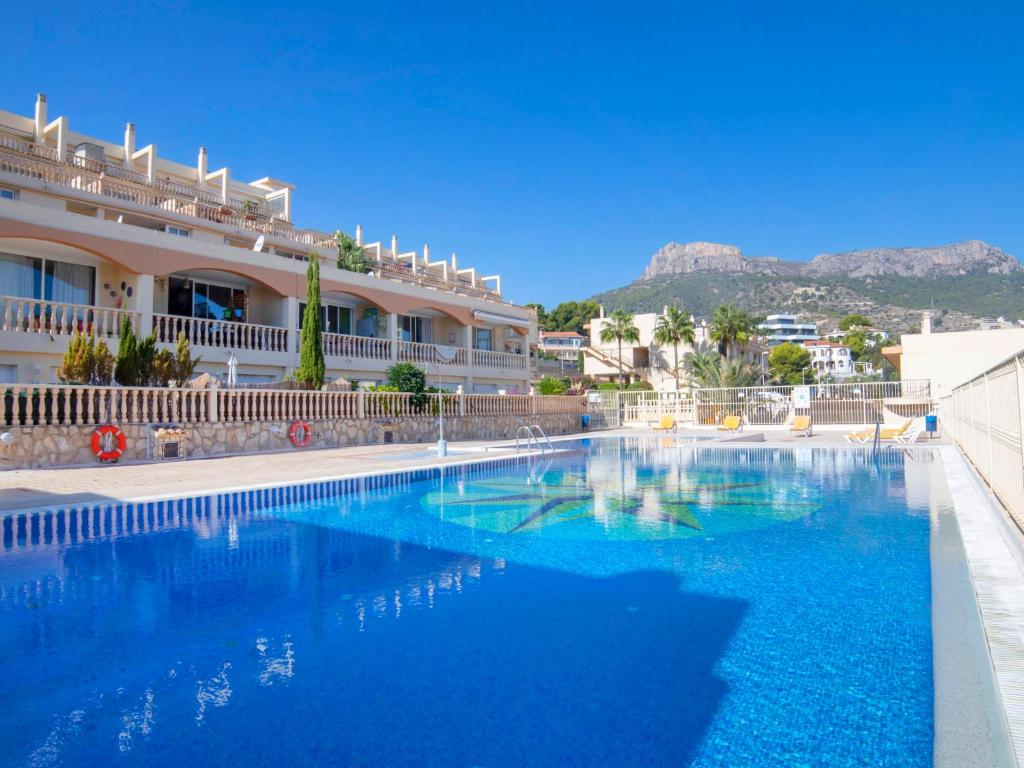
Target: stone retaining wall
x=67, y=446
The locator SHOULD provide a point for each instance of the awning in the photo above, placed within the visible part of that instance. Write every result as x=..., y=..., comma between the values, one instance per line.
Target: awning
x=894, y=355
x=518, y=324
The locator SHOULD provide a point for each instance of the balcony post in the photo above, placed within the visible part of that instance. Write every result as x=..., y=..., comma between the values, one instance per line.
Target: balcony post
x=291, y=323
x=392, y=320
x=144, y=304
x=211, y=403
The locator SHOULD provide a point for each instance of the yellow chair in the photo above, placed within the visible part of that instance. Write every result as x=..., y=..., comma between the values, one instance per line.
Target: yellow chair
x=886, y=433
x=731, y=424
x=801, y=424
x=666, y=423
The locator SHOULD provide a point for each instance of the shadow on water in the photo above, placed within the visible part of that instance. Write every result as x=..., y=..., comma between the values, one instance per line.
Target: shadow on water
x=294, y=644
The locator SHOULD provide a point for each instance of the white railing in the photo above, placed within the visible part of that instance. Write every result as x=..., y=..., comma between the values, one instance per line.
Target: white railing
x=19, y=315
x=985, y=417
x=363, y=347
x=837, y=404
x=222, y=334
x=505, y=360
x=73, y=404
x=414, y=352
x=65, y=404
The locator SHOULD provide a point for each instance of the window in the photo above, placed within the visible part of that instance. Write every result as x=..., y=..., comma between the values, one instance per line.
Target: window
x=8, y=194
x=8, y=374
x=333, y=319
x=69, y=283
x=32, y=278
x=205, y=300
x=483, y=338
x=418, y=329
x=170, y=229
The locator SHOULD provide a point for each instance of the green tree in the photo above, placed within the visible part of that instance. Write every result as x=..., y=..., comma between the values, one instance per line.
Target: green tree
x=789, y=363
x=619, y=328
x=572, y=315
x=86, y=361
x=406, y=377
x=311, y=351
x=704, y=366
x=542, y=316
x=674, y=327
x=854, y=321
x=126, y=368
x=730, y=328
x=351, y=255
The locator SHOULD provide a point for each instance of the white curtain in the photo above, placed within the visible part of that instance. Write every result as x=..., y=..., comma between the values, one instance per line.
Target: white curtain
x=18, y=276
x=72, y=283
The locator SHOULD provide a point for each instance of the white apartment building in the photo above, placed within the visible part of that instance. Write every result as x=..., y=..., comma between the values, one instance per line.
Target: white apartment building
x=830, y=359
x=565, y=345
x=778, y=329
x=92, y=231
x=644, y=361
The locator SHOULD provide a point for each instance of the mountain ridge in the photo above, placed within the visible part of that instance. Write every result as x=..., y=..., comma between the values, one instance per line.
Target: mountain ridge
x=964, y=257
x=961, y=282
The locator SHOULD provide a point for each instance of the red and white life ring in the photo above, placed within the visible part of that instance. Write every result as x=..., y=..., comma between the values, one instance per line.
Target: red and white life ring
x=300, y=433
x=108, y=443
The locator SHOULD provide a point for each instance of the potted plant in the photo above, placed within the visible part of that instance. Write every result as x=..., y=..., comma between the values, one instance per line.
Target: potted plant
x=249, y=210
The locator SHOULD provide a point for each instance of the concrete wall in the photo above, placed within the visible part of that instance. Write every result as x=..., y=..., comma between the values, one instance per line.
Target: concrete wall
x=65, y=446
x=949, y=359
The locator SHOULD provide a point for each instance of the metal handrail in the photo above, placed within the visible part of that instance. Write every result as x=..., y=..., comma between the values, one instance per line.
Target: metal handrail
x=534, y=437
x=542, y=434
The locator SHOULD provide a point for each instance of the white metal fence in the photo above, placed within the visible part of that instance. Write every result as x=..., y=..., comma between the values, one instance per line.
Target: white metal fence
x=839, y=404
x=985, y=417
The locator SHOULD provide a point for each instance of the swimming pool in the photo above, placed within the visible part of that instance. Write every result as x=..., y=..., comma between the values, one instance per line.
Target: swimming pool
x=629, y=602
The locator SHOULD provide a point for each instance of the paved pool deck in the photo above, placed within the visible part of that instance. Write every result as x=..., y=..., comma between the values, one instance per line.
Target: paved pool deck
x=34, y=488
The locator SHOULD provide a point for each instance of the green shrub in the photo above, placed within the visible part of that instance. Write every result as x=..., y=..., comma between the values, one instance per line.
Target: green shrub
x=549, y=385
x=86, y=361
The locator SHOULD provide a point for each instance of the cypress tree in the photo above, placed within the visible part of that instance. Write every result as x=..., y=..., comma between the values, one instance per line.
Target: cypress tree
x=311, y=351
x=126, y=369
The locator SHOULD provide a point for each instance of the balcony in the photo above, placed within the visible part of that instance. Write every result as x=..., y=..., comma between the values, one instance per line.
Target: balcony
x=432, y=355
x=356, y=347
x=119, y=184
x=220, y=334
x=59, y=319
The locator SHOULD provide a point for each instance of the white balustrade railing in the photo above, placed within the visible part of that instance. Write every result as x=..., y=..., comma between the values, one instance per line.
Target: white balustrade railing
x=362, y=347
x=985, y=417
x=415, y=352
x=222, y=334
x=505, y=360
x=73, y=404
x=66, y=404
x=20, y=315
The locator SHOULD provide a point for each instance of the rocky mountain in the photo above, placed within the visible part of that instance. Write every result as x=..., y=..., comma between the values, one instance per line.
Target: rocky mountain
x=963, y=258
x=960, y=282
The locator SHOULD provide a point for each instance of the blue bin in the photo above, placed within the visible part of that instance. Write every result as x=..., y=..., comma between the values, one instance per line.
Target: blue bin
x=931, y=423
x=586, y=421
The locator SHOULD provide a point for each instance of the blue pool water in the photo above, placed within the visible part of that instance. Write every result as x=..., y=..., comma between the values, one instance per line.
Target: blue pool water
x=633, y=603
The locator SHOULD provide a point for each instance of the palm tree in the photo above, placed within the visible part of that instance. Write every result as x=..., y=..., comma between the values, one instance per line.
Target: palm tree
x=704, y=366
x=674, y=327
x=730, y=328
x=619, y=327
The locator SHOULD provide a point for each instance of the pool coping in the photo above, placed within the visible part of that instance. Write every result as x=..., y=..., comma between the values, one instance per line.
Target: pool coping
x=998, y=585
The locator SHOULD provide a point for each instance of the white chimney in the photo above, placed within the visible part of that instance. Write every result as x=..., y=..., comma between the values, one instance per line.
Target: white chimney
x=359, y=234
x=664, y=310
x=601, y=312
x=394, y=245
x=202, y=166
x=129, y=143
x=426, y=253
x=926, y=322
x=40, y=116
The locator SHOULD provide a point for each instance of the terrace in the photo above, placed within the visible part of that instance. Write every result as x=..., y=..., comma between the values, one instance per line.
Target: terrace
x=241, y=217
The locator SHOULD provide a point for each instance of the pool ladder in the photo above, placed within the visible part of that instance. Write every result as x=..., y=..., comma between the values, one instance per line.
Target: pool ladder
x=534, y=434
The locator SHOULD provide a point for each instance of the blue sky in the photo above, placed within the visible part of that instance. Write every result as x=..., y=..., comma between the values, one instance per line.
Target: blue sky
x=562, y=143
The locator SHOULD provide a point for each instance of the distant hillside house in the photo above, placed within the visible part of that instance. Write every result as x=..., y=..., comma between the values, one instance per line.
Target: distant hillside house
x=565, y=345
x=872, y=336
x=829, y=359
x=778, y=329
